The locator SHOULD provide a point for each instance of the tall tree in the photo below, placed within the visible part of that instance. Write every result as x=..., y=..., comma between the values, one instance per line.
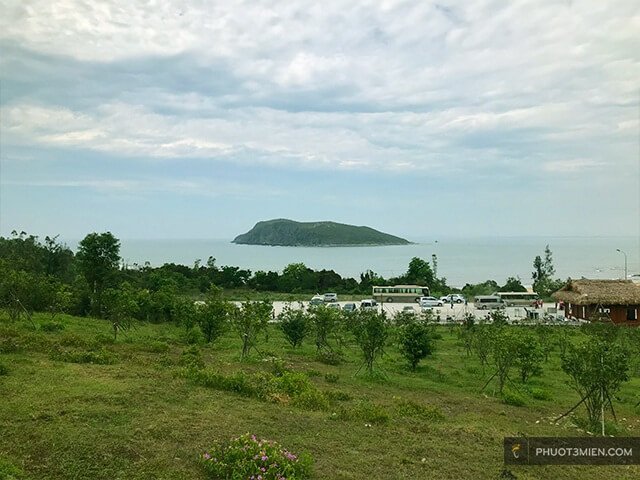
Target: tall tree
x=543, y=271
x=98, y=258
x=420, y=272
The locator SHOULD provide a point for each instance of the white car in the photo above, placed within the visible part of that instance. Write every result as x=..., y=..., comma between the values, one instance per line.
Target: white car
x=456, y=297
x=430, y=302
x=330, y=297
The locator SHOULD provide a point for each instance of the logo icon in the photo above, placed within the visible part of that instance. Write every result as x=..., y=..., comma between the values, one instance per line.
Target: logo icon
x=515, y=450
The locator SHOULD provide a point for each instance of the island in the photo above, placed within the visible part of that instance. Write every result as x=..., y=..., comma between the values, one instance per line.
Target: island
x=289, y=233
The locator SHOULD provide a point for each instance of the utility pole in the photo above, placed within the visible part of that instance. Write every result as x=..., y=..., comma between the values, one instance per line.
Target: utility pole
x=625, y=261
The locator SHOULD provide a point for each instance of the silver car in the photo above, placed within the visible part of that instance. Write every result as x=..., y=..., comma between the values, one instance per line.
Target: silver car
x=430, y=302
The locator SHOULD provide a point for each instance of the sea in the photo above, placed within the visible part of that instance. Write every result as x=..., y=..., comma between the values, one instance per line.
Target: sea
x=459, y=260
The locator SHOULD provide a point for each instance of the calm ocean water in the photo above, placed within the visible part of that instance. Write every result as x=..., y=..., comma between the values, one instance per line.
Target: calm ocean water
x=468, y=260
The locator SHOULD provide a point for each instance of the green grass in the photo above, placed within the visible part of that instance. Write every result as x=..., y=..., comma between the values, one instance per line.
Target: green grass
x=141, y=417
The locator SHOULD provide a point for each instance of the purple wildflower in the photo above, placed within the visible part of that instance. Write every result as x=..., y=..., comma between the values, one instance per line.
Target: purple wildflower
x=265, y=458
x=206, y=456
x=290, y=456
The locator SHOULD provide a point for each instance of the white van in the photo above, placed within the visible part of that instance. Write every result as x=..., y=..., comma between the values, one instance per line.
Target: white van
x=368, y=304
x=486, y=302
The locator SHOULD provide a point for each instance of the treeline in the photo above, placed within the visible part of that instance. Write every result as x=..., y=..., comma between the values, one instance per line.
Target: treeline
x=47, y=275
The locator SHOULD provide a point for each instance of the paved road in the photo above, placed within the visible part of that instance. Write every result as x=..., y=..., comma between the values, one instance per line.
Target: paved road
x=444, y=314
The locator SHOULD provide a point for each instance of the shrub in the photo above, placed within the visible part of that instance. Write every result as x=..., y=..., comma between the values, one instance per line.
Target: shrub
x=9, y=345
x=98, y=357
x=192, y=358
x=51, y=326
x=311, y=400
x=331, y=377
x=291, y=387
x=249, y=458
x=409, y=408
x=513, y=398
x=3, y=369
x=103, y=339
x=194, y=336
x=155, y=347
x=539, y=393
x=73, y=340
x=329, y=357
x=276, y=364
x=363, y=410
x=8, y=471
x=337, y=396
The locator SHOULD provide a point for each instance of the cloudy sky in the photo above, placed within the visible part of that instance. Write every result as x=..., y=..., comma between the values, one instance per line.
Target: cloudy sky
x=196, y=119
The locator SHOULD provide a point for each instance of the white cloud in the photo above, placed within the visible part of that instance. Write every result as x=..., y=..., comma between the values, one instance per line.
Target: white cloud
x=571, y=165
x=384, y=85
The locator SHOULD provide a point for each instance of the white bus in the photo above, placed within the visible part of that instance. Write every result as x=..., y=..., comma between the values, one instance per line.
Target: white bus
x=518, y=298
x=400, y=293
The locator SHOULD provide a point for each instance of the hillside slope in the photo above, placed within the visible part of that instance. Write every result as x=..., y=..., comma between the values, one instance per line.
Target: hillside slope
x=284, y=232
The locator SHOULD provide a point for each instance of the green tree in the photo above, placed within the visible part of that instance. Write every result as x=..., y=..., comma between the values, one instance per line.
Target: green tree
x=416, y=341
x=481, y=343
x=420, y=273
x=120, y=308
x=249, y=321
x=528, y=355
x=466, y=333
x=597, y=369
x=98, y=258
x=503, y=354
x=294, y=323
x=58, y=259
x=326, y=323
x=212, y=316
x=513, y=284
x=370, y=329
x=543, y=272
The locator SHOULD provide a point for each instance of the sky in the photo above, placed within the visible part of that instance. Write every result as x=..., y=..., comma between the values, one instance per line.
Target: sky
x=197, y=119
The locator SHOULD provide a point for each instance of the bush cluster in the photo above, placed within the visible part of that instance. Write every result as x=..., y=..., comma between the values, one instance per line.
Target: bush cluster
x=290, y=387
x=249, y=458
x=98, y=356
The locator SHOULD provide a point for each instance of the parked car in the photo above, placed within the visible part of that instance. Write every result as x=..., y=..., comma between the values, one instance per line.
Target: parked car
x=456, y=297
x=349, y=307
x=316, y=300
x=334, y=306
x=408, y=309
x=430, y=302
x=330, y=297
x=368, y=304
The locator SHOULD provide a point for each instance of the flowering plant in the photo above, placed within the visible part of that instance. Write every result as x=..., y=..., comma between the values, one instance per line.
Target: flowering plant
x=249, y=458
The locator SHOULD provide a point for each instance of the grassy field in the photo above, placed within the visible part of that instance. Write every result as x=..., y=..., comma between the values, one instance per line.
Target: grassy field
x=138, y=417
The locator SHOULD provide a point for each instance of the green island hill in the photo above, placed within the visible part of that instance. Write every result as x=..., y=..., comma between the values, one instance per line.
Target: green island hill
x=289, y=233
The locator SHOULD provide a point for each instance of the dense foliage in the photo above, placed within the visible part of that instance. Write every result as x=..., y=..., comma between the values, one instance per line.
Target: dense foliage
x=47, y=276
